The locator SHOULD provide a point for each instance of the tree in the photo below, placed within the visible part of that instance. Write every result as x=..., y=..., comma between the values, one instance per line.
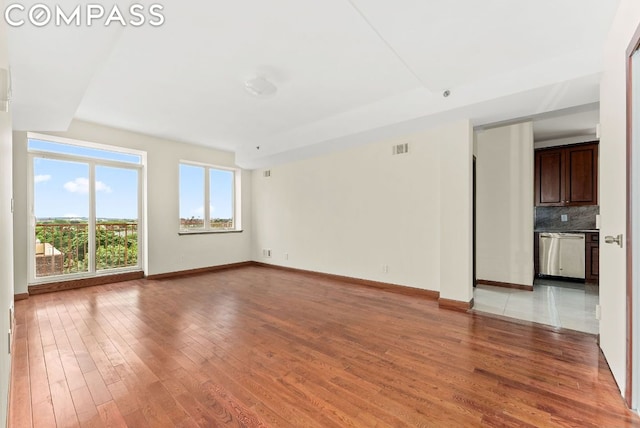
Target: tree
x=116, y=244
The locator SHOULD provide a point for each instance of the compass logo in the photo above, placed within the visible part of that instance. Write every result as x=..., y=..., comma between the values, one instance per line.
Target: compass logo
x=41, y=15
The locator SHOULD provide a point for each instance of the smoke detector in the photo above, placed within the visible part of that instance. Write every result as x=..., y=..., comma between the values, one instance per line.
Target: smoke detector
x=260, y=87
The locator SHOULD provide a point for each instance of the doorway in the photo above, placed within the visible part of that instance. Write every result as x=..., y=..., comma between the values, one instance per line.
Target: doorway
x=509, y=224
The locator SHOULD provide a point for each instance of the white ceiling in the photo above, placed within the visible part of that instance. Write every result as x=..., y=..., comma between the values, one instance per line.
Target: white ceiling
x=347, y=71
x=568, y=123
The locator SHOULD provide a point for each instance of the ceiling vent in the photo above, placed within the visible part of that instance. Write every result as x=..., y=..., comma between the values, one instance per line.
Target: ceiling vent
x=400, y=149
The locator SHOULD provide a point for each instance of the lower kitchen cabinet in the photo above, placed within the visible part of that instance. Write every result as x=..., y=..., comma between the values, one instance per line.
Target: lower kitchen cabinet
x=592, y=258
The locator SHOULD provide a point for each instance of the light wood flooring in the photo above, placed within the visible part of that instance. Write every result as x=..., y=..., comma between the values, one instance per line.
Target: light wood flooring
x=261, y=347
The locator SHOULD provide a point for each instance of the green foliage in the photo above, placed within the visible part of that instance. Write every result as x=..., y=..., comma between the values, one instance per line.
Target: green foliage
x=115, y=248
x=116, y=244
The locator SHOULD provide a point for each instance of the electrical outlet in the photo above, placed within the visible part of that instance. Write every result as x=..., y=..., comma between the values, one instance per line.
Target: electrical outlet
x=266, y=252
x=385, y=268
x=286, y=256
x=564, y=217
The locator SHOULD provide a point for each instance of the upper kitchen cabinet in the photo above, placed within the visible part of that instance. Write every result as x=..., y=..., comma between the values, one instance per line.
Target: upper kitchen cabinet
x=567, y=176
x=549, y=179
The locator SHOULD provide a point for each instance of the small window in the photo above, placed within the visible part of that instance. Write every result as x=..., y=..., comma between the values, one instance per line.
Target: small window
x=207, y=198
x=36, y=145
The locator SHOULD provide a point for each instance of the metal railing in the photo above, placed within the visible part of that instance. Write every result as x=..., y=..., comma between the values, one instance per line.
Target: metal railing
x=63, y=248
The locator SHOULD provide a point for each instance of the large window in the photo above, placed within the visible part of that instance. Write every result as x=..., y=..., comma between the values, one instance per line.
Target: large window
x=208, y=198
x=86, y=203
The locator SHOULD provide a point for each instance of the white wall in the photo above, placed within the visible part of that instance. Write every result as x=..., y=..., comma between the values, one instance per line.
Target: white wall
x=504, y=201
x=6, y=237
x=354, y=211
x=613, y=188
x=456, y=213
x=167, y=251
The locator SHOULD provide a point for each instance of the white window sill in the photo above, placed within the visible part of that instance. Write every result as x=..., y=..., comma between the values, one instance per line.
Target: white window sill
x=207, y=232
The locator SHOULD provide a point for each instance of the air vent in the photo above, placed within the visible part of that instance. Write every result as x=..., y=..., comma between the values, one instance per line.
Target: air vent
x=400, y=149
x=266, y=173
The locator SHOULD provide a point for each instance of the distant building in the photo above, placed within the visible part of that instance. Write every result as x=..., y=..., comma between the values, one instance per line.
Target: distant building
x=49, y=260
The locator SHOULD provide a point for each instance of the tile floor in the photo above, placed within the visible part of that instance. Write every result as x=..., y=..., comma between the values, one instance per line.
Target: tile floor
x=556, y=303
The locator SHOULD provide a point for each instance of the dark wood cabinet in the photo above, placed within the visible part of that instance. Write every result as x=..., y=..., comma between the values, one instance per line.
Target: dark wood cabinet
x=567, y=176
x=592, y=258
x=550, y=188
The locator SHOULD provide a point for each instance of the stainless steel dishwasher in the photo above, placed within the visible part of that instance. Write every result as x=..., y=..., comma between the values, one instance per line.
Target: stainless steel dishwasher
x=562, y=254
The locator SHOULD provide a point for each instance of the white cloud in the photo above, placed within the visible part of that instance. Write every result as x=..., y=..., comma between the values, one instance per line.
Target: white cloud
x=81, y=185
x=41, y=178
x=101, y=187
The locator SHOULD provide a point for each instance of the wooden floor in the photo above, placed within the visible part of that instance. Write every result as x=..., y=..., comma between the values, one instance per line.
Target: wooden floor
x=261, y=347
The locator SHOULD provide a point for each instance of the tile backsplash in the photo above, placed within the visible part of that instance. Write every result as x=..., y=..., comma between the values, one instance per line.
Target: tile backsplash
x=578, y=218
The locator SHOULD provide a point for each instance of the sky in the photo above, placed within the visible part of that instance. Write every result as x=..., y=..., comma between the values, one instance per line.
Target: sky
x=62, y=187
x=192, y=201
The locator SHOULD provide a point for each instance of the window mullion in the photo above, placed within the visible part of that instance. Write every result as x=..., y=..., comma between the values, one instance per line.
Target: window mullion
x=92, y=250
x=141, y=220
x=207, y=205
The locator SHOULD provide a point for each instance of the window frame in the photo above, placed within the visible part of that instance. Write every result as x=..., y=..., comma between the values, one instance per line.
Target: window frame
x=92, y=163
x=235, y=199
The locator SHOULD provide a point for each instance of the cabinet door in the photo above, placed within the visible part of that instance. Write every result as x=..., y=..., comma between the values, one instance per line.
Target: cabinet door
x=595, y=262
x=592, y=259
x=549, y=181
x=582, y=175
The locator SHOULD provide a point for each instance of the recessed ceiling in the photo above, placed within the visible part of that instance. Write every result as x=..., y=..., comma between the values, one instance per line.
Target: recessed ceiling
x=346, y=71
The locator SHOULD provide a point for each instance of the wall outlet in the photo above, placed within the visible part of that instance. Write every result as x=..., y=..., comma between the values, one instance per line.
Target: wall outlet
x=564, y=217
x=598, y=314
x=286, y=256
x=266, y=252
x=385, y=268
